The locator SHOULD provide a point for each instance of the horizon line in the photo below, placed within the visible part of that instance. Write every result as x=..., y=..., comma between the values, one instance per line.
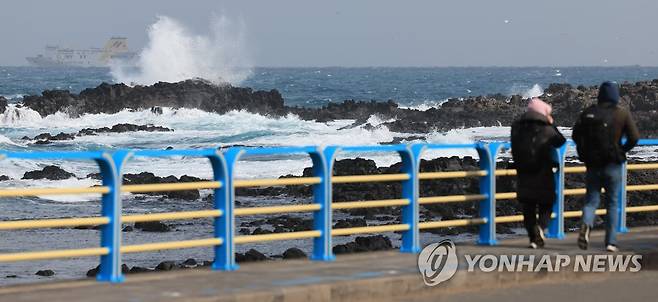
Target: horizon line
x=402, y=66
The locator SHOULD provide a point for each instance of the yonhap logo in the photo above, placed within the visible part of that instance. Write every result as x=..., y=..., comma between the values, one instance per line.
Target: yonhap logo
x=438, y=262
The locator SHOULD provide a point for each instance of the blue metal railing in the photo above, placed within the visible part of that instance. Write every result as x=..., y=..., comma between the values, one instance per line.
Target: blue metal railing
x=223, y=165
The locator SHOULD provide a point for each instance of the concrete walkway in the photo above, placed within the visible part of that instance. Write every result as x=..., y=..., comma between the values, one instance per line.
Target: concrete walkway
x=380, y=276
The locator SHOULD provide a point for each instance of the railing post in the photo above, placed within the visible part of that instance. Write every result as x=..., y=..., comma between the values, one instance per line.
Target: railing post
x=556, y=225
x=224, y=199
x=487, y=153
x=110, y=266
x=323, y=164
x=410, y=213
x=621, y=207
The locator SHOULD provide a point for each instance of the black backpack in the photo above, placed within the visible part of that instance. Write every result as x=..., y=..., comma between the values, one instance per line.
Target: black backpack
x=594, y=136
x=528, y=146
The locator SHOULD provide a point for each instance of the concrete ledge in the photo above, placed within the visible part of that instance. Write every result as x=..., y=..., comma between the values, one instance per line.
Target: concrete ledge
x=379, y=276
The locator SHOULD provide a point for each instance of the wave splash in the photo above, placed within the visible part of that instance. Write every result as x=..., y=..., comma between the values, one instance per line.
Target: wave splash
x=174, y=54
x=533, y=92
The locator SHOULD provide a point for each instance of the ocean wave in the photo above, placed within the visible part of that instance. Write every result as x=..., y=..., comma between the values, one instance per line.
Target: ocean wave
x=174, y=54
x=13, y=97
x=426, y=105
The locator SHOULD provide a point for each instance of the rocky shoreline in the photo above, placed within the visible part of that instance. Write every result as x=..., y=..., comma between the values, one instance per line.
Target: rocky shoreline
x=493, y=110
x=47, y=138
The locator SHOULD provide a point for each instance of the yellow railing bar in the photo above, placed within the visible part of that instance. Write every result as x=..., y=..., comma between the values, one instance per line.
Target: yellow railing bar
x=451, y=174
x=369, y=204
x=512, y=218
x=54, y=254
x=451, y=198
x=641, y=166
x=171, y=216
x=571, y=214
x=277, y=236
x=370, y=229
x=241, y=183
x=641, y=187
x=641, y=209
x=451, y=223
x=53, y=191
x=170, y=245
x=179, y=186
x=505, y=195
x=277, y=209
x=505, y=172
x=577, y=169
x=52, y=223
x=578, y=191
x=369, y=178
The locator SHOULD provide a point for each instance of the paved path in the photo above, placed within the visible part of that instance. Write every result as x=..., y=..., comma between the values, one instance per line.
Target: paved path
x=380, y=276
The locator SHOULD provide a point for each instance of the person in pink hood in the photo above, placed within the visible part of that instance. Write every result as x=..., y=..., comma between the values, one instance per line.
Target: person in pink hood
x=534, y=137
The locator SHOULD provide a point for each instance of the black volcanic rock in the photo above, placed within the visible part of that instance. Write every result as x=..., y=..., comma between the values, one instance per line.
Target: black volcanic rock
x=294, y=253
x=3, y=104
x=48, y=172
x=46, y=138
x=364, y=244
x=166, y=266
x=4, y=177
x=250, y=256
x=45, y=273
x=107, y=98
x=150, y=178
x=492, y=110
x=152, y=226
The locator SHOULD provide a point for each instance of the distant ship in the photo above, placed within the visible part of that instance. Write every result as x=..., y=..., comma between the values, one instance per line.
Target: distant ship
x=115, y=49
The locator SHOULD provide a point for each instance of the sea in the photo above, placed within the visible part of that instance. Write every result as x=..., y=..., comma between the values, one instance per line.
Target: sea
x=413, y=87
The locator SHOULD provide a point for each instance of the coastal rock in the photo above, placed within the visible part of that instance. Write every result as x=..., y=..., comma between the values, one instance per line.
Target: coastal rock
x=473, y=111
x=46, y=138
x=45, y=273
x=189, y=263
x=59, y=137
x=122, y=128
x=364, y=244
x=4, y=178
x=3, y=104
x=150, y=178
x=294, y=253
x=166, y=266
x=112, y=98
x=350, y=223
x=94, y=271
x=48, y=172
x=152, y=226
x=139, y=269
x=250, y=256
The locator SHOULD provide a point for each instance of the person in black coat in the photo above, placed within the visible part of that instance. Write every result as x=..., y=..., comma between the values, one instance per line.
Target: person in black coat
x=533, y=139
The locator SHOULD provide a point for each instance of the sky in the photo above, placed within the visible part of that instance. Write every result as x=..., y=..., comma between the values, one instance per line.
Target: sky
x=360, y=33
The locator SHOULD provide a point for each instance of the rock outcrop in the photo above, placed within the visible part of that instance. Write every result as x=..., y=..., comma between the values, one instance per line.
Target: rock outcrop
x=112, y=98
x=494, y=110
x=49, y=172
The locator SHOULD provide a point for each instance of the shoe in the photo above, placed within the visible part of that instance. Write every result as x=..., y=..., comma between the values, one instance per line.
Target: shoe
x=539, y=236
x=583, y=237
x=611, y=248
x=533, y=245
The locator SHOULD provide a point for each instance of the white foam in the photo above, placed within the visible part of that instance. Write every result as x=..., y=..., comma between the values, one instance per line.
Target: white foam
x=7, y=141
x=14, y=96
x=533, y=92
x=174, y=54
x=426, y=105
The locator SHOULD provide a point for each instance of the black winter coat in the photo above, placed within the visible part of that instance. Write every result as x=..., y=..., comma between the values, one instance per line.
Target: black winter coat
x=539, y=186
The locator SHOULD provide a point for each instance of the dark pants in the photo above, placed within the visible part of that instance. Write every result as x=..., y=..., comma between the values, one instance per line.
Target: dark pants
x=531, y=209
